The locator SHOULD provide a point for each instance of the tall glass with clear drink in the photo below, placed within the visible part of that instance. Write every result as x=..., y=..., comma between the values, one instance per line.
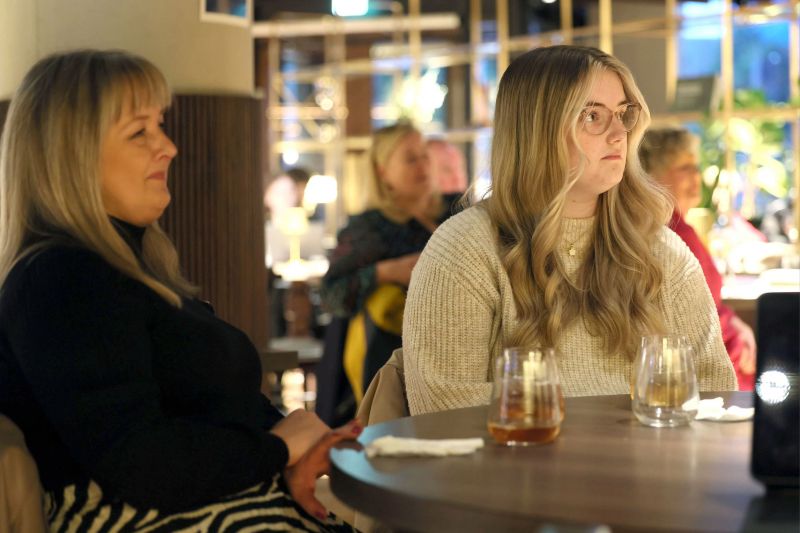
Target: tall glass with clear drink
x=644, y=347
x=665, y=391
x=527, y=404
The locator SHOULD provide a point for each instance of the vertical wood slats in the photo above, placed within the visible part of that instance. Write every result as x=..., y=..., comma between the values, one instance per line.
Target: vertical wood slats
x=3, y=111
x=216, y=218
x=216, y=215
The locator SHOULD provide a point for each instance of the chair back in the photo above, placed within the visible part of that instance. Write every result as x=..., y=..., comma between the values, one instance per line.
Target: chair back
x=21, y=496
x=385, y=398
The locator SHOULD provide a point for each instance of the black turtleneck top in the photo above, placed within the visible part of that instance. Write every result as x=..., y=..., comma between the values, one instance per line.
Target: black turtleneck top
x=159, y=405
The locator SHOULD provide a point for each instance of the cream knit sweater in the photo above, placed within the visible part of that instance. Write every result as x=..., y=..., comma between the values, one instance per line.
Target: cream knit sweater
x=460, y=310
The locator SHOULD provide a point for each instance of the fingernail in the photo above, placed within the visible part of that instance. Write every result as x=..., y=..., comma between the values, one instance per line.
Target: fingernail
x=322, y=516
x=357, y=430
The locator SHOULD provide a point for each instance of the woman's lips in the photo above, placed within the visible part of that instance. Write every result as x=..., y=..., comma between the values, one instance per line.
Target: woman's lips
x=162, y=176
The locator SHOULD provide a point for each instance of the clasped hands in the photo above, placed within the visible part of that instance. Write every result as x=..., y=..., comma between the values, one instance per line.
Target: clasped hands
x=309, y=441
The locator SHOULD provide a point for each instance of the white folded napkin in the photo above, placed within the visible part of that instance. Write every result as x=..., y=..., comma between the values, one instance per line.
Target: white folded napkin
x=714, y=410
x=396, y=446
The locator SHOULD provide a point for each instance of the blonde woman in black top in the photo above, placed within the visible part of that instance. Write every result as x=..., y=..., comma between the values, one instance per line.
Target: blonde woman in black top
x=141, y=408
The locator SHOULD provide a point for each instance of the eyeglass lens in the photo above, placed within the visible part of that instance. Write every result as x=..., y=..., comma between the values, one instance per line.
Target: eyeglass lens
x=597, y=119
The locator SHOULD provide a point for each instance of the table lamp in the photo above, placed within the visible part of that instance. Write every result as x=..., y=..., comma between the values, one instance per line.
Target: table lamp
x=323, y=190
x=320, y=189
x=293, y=223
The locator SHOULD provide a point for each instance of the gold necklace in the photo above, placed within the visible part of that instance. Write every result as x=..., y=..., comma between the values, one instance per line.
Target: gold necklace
x=571, y=250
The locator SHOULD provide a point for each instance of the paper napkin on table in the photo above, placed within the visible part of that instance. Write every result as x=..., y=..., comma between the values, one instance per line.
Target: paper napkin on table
x=397, y=446
x=715, y=411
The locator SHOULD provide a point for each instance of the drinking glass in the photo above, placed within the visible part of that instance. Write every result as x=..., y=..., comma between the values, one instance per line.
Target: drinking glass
x=527, y=405
x=665, y=389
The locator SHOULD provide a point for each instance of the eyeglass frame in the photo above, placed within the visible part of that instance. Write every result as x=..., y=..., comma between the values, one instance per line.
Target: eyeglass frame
x=618, y=114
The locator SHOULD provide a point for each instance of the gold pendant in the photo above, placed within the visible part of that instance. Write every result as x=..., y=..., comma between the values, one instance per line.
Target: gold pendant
x=572, y=251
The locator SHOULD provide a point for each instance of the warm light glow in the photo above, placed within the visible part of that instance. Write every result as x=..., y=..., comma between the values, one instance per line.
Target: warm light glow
x=773, y=387
x=294, y=270
x=757, y=18
x=301, y=269
x=419, y=101
x=743, y=134
x=725, y=178
x=290, y=157
x=319, y=190
x=349, y=8
x=292, y=221
x=710, y=175
x=482, y=188
x=325, y=89
x=328, y=132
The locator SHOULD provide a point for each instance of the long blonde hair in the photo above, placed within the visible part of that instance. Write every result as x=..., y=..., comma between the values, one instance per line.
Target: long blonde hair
x=384, y=143
x=49, y=163
x=539, y=99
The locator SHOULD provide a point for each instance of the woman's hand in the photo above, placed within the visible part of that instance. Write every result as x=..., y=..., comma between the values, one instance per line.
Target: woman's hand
x=747, y=358
x=397, y=270
x=300, y=430
x=302, y=477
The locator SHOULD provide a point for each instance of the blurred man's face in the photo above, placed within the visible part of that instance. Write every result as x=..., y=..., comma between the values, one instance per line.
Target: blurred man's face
x=448, y=167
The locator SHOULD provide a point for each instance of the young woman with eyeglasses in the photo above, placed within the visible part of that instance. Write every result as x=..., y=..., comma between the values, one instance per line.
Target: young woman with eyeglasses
x=570, y=249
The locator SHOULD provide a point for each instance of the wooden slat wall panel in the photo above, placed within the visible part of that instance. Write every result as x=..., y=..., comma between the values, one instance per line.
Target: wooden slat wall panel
x=216, y=214
x=3, y=112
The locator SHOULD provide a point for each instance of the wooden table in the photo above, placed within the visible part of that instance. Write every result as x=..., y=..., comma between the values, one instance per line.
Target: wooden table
x=604, y=469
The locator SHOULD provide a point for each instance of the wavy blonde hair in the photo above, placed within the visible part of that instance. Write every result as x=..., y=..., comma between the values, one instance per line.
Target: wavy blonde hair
x=539, y=100
x=49, y=163
x=384, y=143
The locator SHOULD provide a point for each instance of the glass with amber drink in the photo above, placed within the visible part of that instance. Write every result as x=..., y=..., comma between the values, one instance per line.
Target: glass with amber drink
x=664, y=383
x=527, y=404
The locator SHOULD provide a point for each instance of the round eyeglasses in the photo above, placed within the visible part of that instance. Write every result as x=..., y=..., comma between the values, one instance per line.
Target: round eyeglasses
x=597, y=119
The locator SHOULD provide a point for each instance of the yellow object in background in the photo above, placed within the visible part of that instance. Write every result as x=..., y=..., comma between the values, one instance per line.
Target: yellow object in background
x=382, y=314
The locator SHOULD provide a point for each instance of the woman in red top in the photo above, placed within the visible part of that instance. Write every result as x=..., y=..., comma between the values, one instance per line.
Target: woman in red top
x=670, y=156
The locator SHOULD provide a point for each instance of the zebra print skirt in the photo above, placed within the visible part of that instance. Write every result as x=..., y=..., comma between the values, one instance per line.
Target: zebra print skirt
x=265, y=507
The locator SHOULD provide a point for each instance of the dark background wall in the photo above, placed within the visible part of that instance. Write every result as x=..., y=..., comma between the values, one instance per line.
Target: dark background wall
x=216, y=217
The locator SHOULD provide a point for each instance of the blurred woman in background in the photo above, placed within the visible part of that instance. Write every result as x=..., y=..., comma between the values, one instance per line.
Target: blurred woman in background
x=670, y=156
x=371, y=266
